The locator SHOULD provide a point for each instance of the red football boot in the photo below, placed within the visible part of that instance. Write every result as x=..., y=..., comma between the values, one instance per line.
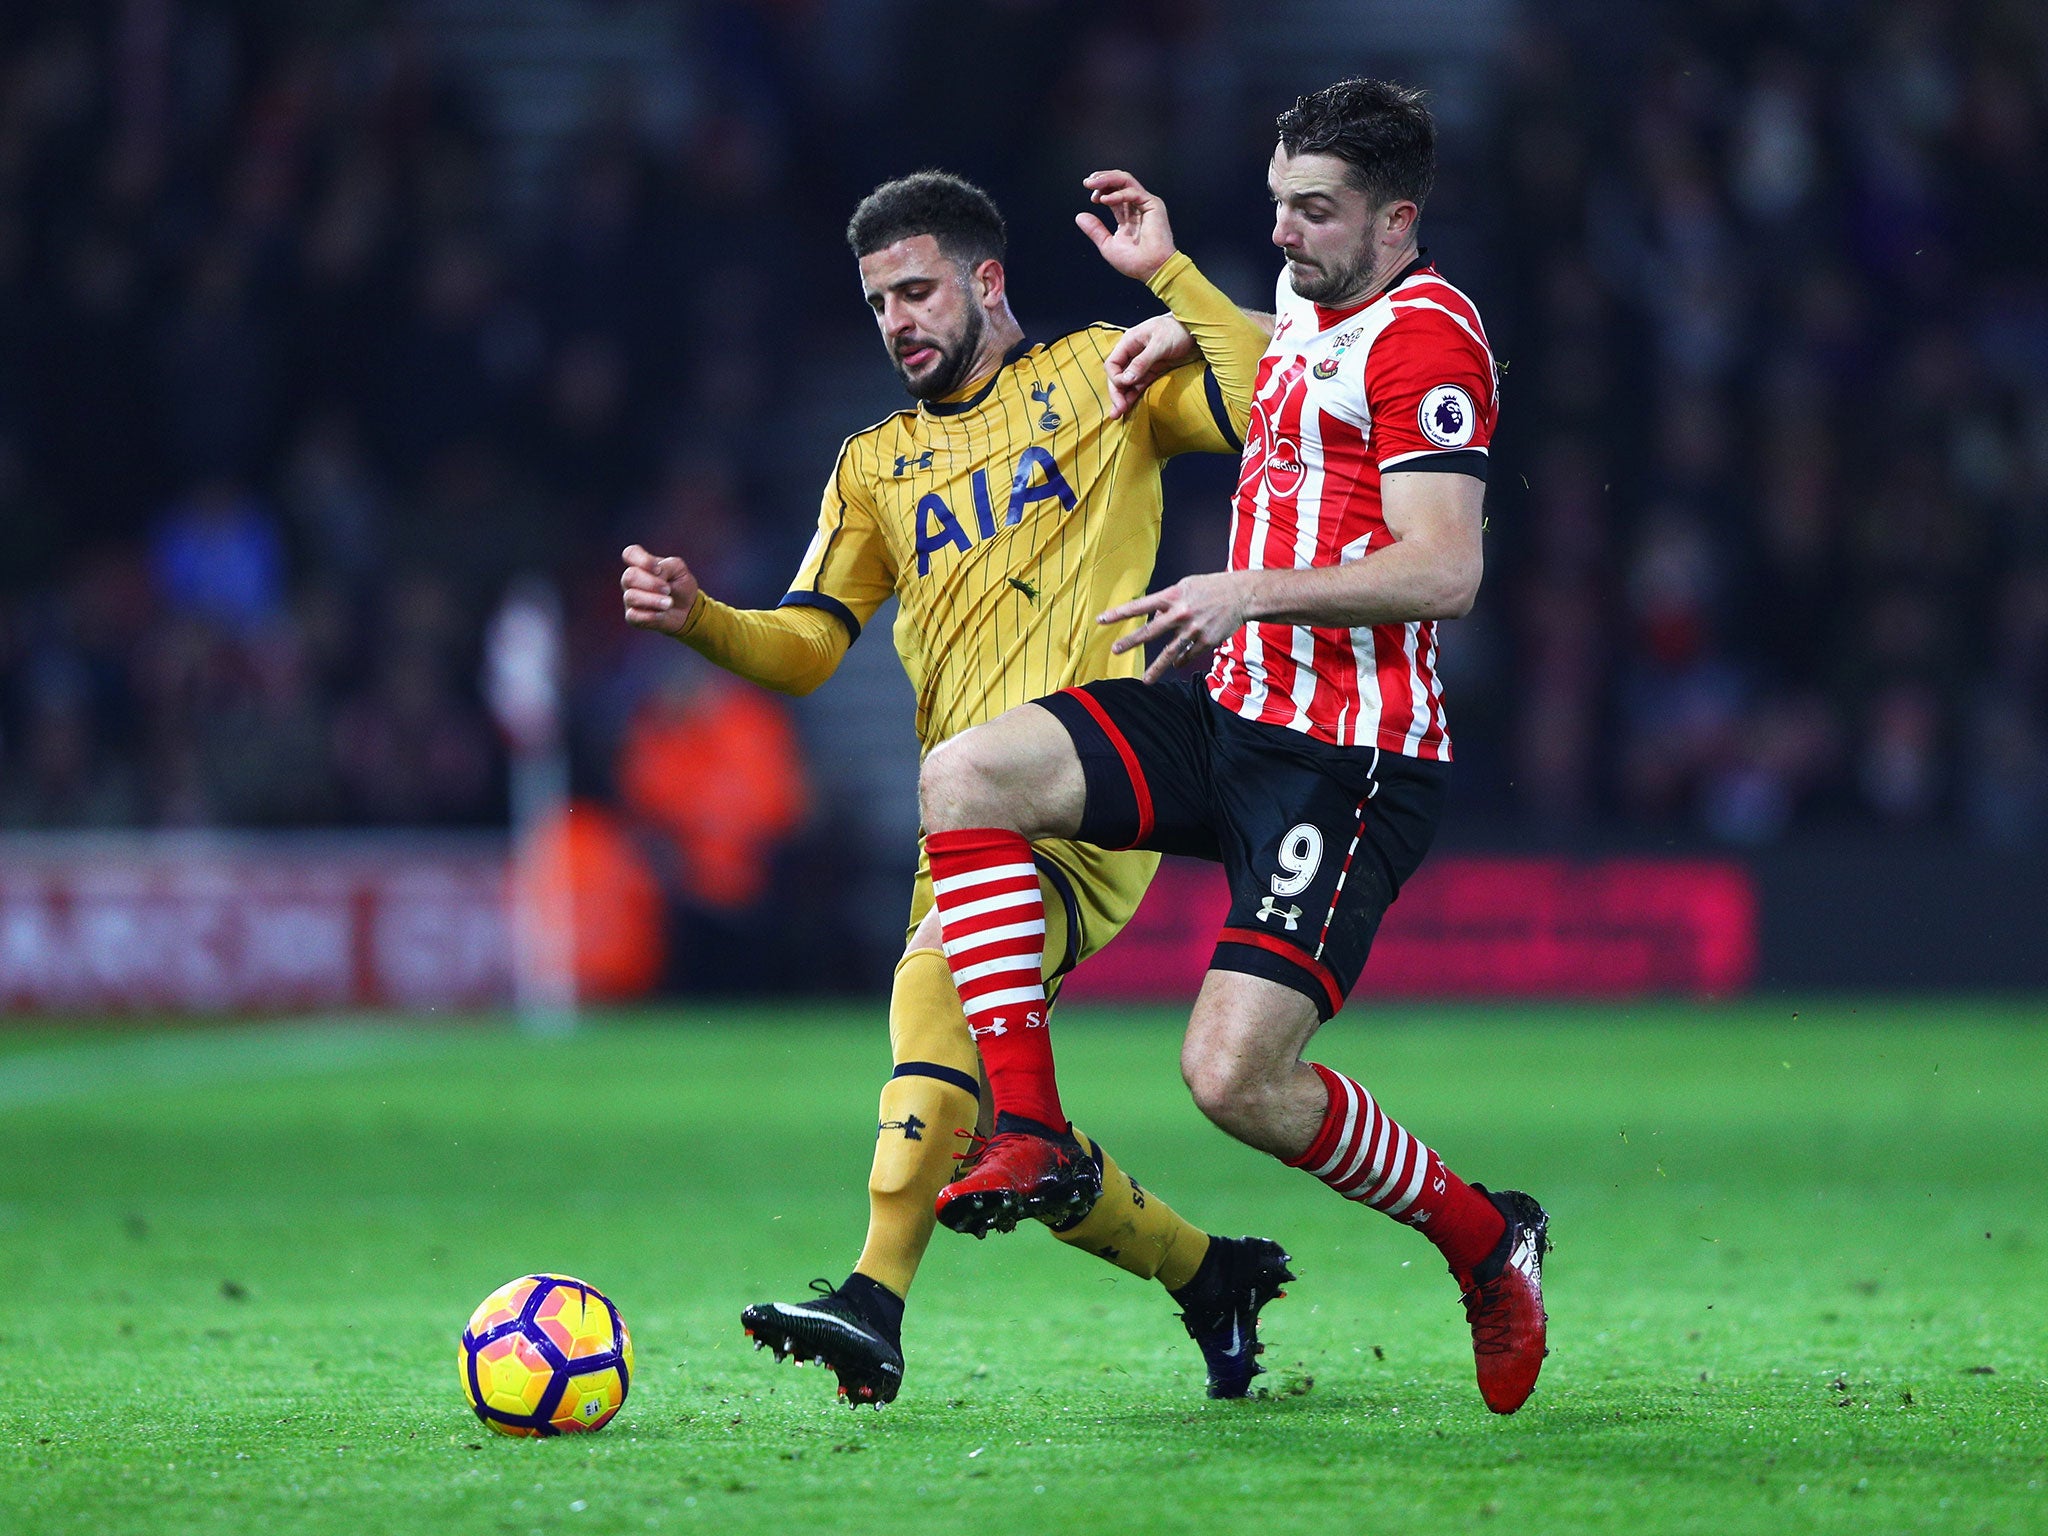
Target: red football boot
x=1024, y=1170
x=1504, y=1303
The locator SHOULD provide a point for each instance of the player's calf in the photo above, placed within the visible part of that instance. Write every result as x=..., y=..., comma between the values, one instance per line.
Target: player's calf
x=1261, y=1109
x=1242, y=1063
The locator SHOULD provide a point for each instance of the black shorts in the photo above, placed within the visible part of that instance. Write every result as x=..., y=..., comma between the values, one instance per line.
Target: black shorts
x=1316, y=839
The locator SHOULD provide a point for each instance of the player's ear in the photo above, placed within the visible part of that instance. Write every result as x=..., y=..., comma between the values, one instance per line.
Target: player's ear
x=989, y=284
x=1400, y=217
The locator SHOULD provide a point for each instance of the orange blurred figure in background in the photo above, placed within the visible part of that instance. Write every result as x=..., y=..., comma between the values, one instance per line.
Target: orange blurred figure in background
x=585, y=866
x=717, y=767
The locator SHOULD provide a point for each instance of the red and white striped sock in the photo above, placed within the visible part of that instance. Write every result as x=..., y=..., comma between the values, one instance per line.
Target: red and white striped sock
x=1364, y=1155
x=992, y=919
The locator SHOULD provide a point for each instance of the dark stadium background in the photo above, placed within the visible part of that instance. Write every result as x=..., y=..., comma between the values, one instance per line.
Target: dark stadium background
x=324, y=325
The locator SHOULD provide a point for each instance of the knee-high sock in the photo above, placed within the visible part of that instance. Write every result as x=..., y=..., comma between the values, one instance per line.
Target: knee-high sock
x=932, y=1096
x=1361, y=1153
x=992, y=916
x=1136, y=1230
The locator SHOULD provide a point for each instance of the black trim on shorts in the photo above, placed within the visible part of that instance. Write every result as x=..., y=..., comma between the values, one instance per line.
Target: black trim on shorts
x=1247, y=952
x=1337, y=829
x=1111, y=817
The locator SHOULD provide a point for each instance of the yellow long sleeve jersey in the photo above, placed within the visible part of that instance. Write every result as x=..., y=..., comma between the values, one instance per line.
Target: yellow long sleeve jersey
x=1004, y=520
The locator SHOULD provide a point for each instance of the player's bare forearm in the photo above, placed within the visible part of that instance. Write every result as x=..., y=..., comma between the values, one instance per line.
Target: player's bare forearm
x=1431, y=571
x=1399, y=584
x=1403, y=583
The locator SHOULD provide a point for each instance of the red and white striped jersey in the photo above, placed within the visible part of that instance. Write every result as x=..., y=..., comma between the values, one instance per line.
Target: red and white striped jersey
x=1402, y=382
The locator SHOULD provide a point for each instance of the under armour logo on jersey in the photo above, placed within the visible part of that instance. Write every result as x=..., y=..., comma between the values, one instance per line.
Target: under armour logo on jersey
x=922, y=461
x=912, y=1128
x=1270, y=909
x=1042, y=393
x=996, y=1026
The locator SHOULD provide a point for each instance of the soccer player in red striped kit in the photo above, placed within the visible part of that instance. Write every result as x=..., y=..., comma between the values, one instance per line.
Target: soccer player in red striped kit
x=1311, y=762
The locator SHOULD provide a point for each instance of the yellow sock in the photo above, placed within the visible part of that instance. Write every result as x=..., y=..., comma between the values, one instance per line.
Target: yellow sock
x=933, y=1095
x=1136, y=1230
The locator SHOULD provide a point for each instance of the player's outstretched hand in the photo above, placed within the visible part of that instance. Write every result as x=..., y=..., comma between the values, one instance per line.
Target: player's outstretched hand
x=658, y=592
x=1143, y=239
x=1193, y=614
x=1143, y=353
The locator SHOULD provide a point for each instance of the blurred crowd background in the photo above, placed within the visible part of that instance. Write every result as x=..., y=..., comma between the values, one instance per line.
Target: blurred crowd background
x=323, y=323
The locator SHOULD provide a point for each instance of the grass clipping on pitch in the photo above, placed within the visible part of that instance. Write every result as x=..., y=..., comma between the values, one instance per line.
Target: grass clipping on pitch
x=1799, y=1284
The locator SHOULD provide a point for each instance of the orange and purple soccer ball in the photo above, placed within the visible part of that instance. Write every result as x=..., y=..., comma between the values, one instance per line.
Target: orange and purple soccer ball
x=546, y=1355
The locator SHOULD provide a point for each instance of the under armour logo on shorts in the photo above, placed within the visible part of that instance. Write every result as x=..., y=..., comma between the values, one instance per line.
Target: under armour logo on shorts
x=1269, y=909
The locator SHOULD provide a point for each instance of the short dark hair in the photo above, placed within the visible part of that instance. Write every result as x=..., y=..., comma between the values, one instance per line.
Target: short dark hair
x=953, y=210
x=1381, y=130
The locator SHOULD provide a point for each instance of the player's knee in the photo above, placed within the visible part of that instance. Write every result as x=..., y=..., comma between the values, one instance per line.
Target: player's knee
x=1242, y=1091
x=1222, y=1087
x=947, y=782
x=960, y=785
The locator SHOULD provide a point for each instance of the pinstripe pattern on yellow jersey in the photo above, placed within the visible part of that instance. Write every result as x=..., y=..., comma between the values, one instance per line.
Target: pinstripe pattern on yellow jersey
x=1004, y=523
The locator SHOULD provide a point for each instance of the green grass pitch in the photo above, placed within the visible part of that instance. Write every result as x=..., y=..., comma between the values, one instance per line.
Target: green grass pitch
x=1798, y=1283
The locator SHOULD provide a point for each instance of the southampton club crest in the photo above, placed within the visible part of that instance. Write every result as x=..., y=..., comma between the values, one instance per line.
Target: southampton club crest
x=1447, y=417
x=1327, y=368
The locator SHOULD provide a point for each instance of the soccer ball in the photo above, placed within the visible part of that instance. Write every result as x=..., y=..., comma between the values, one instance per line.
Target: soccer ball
x=546, y=1355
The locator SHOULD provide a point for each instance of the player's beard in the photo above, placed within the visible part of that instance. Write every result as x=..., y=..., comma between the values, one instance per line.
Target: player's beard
x=1327, y=284
x=955, y=358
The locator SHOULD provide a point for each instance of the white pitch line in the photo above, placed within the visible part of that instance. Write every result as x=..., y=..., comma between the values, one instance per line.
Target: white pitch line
x=190, y=1060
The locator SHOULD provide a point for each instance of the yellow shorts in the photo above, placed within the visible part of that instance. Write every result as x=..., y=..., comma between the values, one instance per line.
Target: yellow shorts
x=1090, y=893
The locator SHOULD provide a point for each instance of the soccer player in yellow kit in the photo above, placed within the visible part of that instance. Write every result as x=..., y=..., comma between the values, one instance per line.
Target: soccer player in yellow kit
x=1018, y=499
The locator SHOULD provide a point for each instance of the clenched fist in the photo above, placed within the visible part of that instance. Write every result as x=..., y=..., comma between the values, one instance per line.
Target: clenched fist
x=659, y=592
